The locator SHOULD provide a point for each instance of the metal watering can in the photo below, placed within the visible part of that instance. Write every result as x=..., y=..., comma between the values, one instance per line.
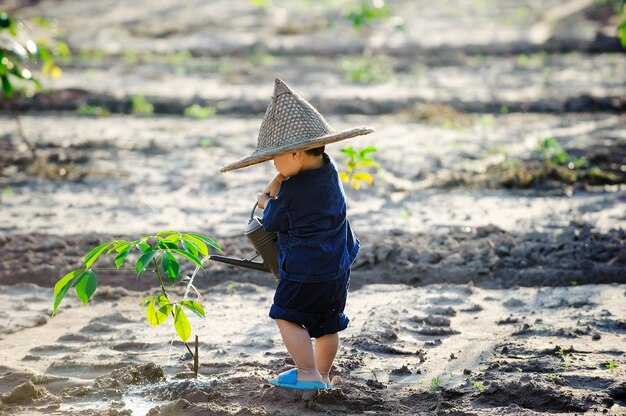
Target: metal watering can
x=265, y=244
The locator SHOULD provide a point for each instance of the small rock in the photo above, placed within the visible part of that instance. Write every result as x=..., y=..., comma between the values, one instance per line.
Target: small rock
x=375, y=384
x=403, y=371
x=23, y=393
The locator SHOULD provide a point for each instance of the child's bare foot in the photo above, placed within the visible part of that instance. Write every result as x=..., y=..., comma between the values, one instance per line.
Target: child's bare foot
x=335, y=381
x=309, y=375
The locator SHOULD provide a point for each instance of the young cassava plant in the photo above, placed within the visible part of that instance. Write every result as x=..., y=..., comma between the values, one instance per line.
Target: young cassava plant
x=358, y=160
x=159, y=253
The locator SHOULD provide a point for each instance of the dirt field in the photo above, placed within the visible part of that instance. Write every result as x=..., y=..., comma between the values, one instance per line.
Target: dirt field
x=491, y=280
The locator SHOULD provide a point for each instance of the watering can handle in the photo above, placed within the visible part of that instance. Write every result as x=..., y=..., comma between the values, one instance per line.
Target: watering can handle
x=256, y=204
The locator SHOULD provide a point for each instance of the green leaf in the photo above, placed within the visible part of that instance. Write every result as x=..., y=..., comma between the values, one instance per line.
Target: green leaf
x=146, y=300
x=172, y=238
x=189, y=256
x=93, y=255
x=183, y=329
x=166, y=232
x=348, y=151
x=121, y=256
x=162, y=300
x=170, y=266
x=7, y=87
x=198, y=243
x=118, y=245
x=86, y=286
x=194, y=306
x=166, y=245
x=166, y=309
x=63, y=285
x=144, y=260
x=143, y=246
x=155, y=316
x=190, y=247
x=366, y=150
x=207, y=240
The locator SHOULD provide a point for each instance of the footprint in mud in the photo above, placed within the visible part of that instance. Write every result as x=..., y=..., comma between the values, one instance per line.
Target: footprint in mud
x=132, y=346
x=52, y=349
x=513, y=303
x=437, y=310
x=114, y=318
x=433, y=326
x=446, y=300
x=475, y=307
x=97, y=328
x=74, y=338
x=431, y=320
x=534, y=396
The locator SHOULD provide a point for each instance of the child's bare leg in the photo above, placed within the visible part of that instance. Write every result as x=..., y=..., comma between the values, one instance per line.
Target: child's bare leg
x=298, y=343
x=325, y=351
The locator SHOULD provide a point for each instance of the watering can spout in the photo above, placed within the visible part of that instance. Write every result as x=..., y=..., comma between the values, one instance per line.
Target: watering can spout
x=245, y=263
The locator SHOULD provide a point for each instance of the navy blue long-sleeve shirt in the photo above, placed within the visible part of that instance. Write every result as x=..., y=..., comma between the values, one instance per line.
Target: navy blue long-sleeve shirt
x=309, y=213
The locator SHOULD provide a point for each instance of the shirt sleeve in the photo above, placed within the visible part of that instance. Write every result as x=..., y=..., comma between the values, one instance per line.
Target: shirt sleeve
x=275, y=217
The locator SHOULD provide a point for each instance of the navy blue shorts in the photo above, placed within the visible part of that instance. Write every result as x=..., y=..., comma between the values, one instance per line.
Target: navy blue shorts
x=318, y=307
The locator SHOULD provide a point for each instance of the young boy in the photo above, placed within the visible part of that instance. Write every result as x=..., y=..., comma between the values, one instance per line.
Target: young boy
x=305, y=205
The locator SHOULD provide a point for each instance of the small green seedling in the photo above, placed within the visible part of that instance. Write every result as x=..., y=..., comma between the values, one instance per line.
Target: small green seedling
x=141, y=105
x=561, y=352
x=479, y=385
x=553, y=154
x=159, y=253
x=358, y=159
x=368, y=11
x=519, y=370
x=365, y=70
x=611, y=366
x=436, y=383
x=198, y=112
x=552, y=377
x=94, y=111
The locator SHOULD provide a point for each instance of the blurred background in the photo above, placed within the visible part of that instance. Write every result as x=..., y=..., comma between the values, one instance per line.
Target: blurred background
x=507, y=114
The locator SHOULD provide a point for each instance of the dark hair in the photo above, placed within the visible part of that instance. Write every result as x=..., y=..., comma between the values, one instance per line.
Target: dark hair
x=315, y=152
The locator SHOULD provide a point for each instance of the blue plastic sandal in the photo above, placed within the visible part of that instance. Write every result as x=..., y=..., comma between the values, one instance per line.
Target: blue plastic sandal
x=289, y=380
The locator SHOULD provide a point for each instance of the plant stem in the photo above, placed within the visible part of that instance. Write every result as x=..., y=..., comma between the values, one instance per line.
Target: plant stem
x=196, y=361
x=158, y=272
x=20, y=130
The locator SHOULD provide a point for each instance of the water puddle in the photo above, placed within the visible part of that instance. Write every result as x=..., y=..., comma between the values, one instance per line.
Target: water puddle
x=140, y=399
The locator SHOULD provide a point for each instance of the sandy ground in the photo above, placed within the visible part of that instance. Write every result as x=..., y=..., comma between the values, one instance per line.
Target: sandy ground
x=468, y=297
x=522, y=350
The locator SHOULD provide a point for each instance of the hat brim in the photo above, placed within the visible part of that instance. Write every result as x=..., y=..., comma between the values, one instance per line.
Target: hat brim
x=263, y=155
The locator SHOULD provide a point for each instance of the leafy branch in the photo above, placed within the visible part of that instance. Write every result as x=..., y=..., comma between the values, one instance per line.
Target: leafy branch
x=16, y=54
x=161, y=253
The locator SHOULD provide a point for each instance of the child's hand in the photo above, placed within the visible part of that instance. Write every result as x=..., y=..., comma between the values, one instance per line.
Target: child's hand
x=262, y=198
x=273, y=187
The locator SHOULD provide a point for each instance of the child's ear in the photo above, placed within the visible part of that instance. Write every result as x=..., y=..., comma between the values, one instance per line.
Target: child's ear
x=297, y=155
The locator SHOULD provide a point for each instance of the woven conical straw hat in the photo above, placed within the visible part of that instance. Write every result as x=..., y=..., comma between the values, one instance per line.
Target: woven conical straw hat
x=291, y=124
